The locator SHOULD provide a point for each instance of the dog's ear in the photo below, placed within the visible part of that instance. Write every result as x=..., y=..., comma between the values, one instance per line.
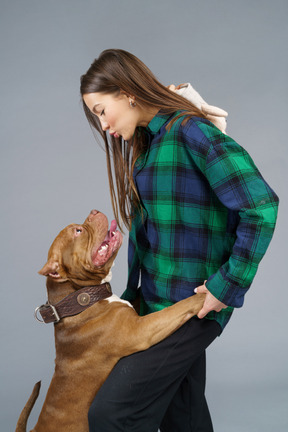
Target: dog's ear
x=51, y=269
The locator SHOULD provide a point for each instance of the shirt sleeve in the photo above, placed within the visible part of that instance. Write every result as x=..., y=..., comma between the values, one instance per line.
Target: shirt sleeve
x=240, y=187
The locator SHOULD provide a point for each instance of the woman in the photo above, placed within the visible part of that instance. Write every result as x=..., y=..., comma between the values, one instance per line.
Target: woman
x=200, y=217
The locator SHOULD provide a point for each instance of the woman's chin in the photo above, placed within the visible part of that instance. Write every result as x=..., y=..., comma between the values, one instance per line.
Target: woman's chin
x=126, y=136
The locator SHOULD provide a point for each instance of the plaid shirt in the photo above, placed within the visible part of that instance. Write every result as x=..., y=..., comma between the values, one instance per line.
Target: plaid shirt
x=207, y=213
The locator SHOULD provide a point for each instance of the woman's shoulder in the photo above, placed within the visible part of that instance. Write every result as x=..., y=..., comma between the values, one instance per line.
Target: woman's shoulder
x=192, y=123
x=199, y=128
x=200, y=136
x=180, y=120
x=191, y=127
x=204, y=137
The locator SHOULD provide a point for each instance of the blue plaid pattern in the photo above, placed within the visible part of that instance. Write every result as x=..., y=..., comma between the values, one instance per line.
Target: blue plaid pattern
x=206, y=214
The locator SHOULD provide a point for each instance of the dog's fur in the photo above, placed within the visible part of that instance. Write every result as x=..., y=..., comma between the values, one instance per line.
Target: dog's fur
x=89, y=345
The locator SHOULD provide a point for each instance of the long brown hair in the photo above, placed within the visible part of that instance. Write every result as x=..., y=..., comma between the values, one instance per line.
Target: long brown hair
x=117, y=70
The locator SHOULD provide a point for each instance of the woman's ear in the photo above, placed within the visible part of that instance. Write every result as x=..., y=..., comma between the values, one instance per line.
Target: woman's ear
x=128, y=95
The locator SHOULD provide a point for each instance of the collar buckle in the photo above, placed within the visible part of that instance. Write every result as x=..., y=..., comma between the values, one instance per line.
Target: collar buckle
x=44, y=306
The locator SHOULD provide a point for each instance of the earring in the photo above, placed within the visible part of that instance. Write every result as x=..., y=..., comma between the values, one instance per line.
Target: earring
x=132, y=104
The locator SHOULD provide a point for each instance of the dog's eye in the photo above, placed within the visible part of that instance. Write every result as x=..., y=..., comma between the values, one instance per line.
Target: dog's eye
x=78, y=231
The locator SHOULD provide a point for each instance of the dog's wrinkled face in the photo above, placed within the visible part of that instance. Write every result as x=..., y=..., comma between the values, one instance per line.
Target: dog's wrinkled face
x=84, y=252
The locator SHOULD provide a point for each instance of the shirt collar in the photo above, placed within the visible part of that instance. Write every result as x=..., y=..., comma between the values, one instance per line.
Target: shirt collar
x=157, y=122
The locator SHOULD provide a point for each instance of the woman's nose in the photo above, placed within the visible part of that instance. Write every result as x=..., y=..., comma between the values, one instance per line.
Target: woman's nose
x=104, y=125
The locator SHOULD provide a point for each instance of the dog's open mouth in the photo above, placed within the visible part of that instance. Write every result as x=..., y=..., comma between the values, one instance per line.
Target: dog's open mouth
x=108, y=247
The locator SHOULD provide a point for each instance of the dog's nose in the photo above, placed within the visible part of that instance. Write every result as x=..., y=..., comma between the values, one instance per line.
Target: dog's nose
x=92, y=214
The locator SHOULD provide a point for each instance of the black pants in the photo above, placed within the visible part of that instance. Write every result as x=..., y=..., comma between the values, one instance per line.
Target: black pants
x=162, y=387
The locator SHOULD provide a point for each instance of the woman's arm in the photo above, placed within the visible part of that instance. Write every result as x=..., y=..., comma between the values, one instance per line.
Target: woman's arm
x=238, y=184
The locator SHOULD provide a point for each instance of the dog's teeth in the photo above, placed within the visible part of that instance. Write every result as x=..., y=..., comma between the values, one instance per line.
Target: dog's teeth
x=102, y=249
x=113, y=233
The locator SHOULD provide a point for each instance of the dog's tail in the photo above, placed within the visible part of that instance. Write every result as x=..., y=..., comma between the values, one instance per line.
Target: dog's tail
x=22, y=422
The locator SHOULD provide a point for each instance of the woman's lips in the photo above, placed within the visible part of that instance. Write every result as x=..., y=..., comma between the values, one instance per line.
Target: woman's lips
x=115, y=134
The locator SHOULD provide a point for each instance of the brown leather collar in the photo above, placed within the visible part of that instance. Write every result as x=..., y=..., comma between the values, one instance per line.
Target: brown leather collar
x=74, y=303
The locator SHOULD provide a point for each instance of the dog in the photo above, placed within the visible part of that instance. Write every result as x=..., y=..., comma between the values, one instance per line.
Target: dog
x=93, y=328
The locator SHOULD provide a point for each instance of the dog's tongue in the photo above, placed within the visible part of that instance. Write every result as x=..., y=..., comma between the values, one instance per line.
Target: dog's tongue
x=113, y=227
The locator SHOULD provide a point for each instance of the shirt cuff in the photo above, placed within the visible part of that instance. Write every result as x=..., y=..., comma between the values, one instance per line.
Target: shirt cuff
x=226, y=291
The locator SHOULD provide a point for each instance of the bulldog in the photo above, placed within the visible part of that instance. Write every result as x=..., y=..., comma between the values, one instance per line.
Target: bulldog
x=93, y=328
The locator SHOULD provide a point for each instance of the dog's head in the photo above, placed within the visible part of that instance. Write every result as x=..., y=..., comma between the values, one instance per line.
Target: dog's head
x=83, y=254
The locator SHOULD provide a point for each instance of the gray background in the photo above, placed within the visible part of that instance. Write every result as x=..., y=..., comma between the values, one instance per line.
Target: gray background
x=53, y=172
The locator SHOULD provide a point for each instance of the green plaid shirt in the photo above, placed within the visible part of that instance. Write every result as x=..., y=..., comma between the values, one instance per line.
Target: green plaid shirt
x=207, y=214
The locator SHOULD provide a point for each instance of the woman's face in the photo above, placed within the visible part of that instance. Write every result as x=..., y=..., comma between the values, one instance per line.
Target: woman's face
x=115, y=113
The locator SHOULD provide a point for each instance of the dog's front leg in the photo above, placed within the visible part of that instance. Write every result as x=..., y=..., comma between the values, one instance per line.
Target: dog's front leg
x=148, y=330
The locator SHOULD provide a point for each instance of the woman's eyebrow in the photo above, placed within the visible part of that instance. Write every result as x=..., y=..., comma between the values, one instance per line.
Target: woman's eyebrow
x=94, y=109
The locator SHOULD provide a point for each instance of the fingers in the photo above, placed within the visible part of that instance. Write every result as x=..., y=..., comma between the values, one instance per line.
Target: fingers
x=203, y=312
x=206, y=309
x=171, y=87
x=211, y=303
x=181, y=85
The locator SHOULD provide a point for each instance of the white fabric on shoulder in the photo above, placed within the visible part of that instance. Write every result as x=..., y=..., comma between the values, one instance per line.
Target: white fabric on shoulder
x=216, y=115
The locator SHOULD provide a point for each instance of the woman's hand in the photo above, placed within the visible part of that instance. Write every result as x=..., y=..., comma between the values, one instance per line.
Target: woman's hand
x=172, y=87
x=210, y=303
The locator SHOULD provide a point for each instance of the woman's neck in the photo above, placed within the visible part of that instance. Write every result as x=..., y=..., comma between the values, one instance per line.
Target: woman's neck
x=147, y=114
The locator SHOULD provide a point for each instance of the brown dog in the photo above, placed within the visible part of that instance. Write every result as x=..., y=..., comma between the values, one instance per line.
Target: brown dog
x=90, y=335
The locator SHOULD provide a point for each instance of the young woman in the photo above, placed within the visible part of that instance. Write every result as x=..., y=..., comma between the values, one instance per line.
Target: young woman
x=200, y=216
